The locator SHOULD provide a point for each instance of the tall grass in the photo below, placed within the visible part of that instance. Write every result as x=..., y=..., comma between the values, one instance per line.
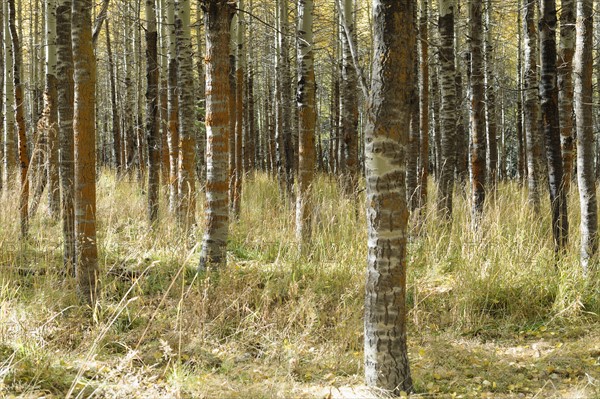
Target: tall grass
x=274, y=319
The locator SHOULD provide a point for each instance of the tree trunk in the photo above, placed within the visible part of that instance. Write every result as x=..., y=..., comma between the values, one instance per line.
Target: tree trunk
x=51, y=111
x=412, y=162
x=284, y=80
x=448, y=111
x=349, y=103
x=173, y=109
x=490, y=100
x=152, y=111
x=386, y=138
x=19, y=111
x=65, y=134
x=10, y=150
x=532, y=104
x=85, y=155
x=521, y=164
x=306, y=122
x=239, y=113
x=185, y=81
x=478, y=148
x=116, y=120
x=584, y=95
x=424, y=105
x=565, y=87
x=217, y=18
x=550, y=124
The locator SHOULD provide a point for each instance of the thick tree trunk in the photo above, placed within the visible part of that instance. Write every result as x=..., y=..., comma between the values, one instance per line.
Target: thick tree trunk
x=152, y=134
x=19, y=111
x=386, y=138
x=65, y=120
x=85, y=155
x=448, y=111
x=478, y=147
x=217, y=18
x=565, y=87
x=584, y=95
x=306, y=122
x=550, y=124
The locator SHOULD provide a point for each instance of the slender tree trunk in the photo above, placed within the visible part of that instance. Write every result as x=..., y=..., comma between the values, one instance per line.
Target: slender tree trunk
x=424, y=104
x=10, y=150
x=550, y=123
x=565, y=87
x=51, y=110
x=490, y=100
x=116, y=120
x=65, y=134
x=412, y=162
x=386, y=138
x=532, y=106
x=521, y=159
x=239, y=113
x=449, y=109
x=19, y=110
x=129, y=129
x=200, y=102
x=185, y=82
x=164, y=96
x=173, y=109
x=349, y=103
x=217, y=18
x=584, y=95
x=478, y=148
x=462, y=129
x=285, y=79
x=85, y=155
x=3, y=112
x=437, y=125
x=306, y=122
x=152, y=134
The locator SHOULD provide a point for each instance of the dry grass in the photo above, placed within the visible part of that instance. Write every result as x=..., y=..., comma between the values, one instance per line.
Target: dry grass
x=492, y=314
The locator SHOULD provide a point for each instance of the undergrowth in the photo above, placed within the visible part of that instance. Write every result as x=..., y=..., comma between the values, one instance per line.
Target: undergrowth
x=492, y=310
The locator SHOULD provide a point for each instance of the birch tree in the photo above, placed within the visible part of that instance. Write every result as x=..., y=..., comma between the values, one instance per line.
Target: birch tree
x=349, y=102
x=65, y=87
x=550, y=123
x=10, y=151
x=51, y=110
x=152, y=132
x=85, y=154
x=172, y=108
x=217, y=18
x=585, y=131
x=19, y=112
x=424, y=104
x=532, y=106
x=306, y=121
x=386, y=137
x=448, y=110
x=565, y=87
x=185, y=81
x=478, y=149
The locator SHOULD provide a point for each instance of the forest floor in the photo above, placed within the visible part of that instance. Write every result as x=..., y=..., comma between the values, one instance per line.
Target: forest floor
x=491, y=312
